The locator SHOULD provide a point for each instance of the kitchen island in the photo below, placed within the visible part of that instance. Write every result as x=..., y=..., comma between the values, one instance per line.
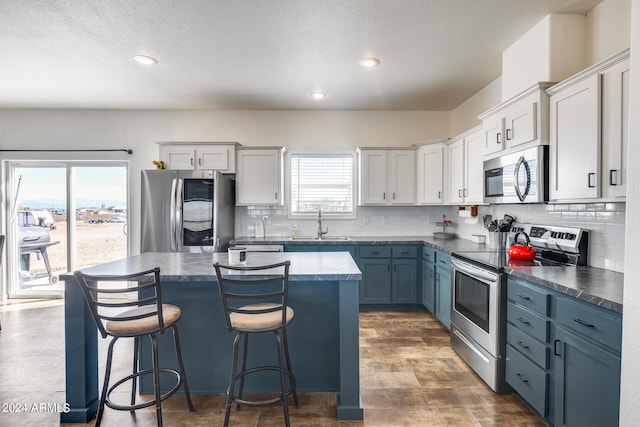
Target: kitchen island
x=323, y=338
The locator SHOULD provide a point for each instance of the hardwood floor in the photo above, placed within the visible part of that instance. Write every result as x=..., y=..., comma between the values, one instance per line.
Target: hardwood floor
x=408, y=373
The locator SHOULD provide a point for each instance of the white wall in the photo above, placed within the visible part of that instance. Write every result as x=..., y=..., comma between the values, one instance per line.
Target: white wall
x=630, y=387
x=465, y=116
x=551, y=51
x=606, y=33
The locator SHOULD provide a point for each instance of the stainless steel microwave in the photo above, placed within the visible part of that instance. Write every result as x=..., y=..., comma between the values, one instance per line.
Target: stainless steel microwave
x=518, y=177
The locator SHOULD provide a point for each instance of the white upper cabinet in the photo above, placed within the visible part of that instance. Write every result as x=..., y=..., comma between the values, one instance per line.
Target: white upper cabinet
x=430, y=174
x=465, y=158
x=574, y=150
x=387, y=176
x=588, y=136
x=615, y=132
x=189, y=156
x=520, y=122
x=259, y=178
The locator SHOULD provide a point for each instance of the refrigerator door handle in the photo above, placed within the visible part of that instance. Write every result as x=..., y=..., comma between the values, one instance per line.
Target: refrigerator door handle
x=173, y=212
x=178, y=225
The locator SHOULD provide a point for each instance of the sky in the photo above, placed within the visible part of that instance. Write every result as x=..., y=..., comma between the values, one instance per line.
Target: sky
x=92, y=183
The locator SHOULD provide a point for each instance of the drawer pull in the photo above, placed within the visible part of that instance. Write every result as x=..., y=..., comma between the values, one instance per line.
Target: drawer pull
x=523, y=345
x=556, y=352
x=523, y=297
x=583, y=323
x=526, y=322
x=523, y=379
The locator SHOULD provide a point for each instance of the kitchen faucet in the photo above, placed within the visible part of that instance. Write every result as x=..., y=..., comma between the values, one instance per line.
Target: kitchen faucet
x=320, y=232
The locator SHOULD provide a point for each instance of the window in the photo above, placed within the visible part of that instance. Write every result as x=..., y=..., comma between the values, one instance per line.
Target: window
x=322, y=181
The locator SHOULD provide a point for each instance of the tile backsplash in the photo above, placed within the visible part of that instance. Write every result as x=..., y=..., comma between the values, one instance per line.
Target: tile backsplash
x=605, y=222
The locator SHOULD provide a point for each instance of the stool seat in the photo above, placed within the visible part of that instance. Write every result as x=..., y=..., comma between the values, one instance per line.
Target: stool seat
x=148, y=323
x=260, y=322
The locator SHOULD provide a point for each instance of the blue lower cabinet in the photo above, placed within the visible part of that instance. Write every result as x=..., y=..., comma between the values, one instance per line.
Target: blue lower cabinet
x=429, y=285
x=404, y=281
x=390, y=274
x=587, y=387
x=563, y=356
x=443, y=295
x=376, y=281
x=527, y=379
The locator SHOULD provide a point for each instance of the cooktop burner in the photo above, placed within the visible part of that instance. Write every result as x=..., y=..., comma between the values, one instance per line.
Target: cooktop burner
x=500, y=259
x=554, y=246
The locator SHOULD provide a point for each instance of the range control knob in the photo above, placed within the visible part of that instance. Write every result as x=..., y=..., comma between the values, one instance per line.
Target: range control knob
x=570, y=236
x=554, y=234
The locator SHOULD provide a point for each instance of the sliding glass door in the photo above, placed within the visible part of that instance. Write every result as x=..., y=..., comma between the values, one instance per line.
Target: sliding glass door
x=62, y=216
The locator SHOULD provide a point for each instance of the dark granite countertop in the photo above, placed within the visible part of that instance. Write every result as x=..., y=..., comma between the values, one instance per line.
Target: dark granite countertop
x=444, y=245
x=598, y=286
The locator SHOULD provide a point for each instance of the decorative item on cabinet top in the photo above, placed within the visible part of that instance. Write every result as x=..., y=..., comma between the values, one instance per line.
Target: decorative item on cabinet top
x=190, y=155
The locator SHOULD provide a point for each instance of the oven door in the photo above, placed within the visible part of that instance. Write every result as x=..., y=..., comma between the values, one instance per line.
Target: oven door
x=476, y=304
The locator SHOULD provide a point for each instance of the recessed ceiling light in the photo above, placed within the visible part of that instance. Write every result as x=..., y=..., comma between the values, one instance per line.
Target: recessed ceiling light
x=145, y=60
x=368, y=62
x=318, y=95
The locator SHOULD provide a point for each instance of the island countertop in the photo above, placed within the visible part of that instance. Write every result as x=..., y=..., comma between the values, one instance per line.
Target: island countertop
x=198, y=267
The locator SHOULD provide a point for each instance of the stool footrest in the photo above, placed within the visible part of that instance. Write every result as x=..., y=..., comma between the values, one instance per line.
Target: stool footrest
x=292, y=386
x=165, y=396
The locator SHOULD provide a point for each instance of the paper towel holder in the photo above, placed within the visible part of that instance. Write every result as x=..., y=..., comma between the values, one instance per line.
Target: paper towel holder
x=473, y=209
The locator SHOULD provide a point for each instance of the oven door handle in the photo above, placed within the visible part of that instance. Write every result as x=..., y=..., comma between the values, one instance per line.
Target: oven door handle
x=474, y=271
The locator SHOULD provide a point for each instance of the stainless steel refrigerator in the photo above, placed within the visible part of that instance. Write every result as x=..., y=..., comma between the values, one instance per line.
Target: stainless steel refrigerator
x=186, y=211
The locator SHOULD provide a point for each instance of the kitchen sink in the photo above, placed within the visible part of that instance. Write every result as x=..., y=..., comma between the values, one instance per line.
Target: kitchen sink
x=324, y=238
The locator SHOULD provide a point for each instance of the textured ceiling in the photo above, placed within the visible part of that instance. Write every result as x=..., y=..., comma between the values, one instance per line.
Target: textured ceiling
x=259, y=54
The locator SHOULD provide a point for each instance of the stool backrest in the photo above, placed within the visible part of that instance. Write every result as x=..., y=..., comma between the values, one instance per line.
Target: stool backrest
x=244, y=285
x=104, y=295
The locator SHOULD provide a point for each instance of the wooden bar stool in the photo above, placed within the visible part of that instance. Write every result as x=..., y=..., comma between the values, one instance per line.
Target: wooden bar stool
x=254, y=299
x=144, y=314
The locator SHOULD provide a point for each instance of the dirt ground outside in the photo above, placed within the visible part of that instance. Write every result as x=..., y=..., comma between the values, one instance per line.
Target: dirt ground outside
x=96, y=244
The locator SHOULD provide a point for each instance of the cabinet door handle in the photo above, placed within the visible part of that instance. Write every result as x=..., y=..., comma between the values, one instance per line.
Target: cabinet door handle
x=555, y=348
x=394, y=195
x=498, y=138
x=523, y=296
x=583, y=323
x=439, y=194
x=612, y=173
x=191, y=161
x=523, y=345
x=384, y=196
x=522, y=378
x=526, y=322
x=508, y=134
x=275, y=195
x=460, y=193
x=200, y=161
x=465, y=192
x=589, y=176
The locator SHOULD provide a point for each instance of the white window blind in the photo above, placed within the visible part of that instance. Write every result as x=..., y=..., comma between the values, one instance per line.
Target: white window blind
x=321, y=182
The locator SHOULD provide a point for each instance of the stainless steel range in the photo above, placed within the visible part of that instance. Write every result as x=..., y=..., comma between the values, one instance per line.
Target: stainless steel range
x=478, y=313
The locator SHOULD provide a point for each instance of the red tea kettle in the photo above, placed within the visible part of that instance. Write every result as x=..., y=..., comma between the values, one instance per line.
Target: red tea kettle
x=521, y=251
